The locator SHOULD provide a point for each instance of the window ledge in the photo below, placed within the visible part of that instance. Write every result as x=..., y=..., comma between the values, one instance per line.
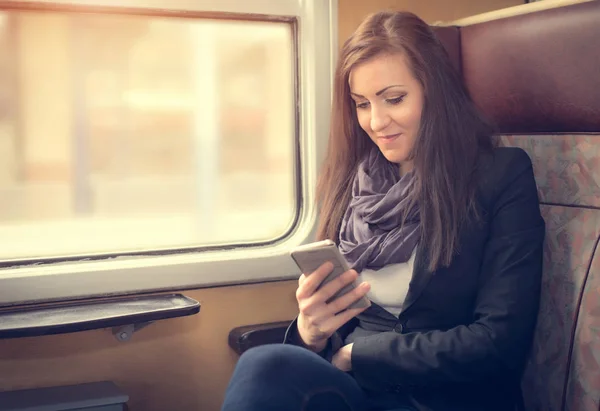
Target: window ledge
x=128, y=314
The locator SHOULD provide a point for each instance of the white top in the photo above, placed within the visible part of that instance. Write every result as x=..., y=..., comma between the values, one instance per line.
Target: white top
x=389, y=285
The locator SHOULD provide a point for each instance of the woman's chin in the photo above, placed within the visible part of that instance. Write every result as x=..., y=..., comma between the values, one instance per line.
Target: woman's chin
x=396, y=156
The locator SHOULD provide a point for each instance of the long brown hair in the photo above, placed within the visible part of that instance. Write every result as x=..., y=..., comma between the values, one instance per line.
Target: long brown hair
x=451, y=137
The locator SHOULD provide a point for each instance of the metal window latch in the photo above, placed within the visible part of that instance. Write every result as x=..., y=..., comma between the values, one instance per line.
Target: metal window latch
x=125, y=332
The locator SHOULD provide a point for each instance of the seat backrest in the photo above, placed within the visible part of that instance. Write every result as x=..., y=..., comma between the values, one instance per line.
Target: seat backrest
x=563, y=372
x=537, y=76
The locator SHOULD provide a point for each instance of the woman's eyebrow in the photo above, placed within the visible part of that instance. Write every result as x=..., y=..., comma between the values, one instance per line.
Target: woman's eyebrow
x=379, y=92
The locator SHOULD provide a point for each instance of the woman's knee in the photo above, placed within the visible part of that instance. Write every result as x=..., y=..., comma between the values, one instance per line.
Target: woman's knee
x=290, y=377
x=276, y=359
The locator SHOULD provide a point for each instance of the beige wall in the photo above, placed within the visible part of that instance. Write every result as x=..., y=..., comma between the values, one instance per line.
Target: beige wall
x=352, y=12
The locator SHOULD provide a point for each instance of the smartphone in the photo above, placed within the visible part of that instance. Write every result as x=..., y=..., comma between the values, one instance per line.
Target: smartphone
x=311, y=256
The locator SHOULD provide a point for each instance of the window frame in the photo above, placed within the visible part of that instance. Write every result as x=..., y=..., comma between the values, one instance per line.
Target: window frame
x=316, y=50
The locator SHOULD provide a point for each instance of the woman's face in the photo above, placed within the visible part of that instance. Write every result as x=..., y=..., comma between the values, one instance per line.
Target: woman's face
x=389, y=101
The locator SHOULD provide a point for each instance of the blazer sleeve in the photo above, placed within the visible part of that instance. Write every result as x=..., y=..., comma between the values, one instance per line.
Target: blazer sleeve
x=505, y=308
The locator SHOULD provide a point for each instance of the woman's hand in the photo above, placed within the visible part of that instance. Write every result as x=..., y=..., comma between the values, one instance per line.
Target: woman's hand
x=343, y=358
x=318, y=320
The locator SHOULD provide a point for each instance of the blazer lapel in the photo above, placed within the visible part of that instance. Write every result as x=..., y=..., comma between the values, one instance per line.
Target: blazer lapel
x=420, y=278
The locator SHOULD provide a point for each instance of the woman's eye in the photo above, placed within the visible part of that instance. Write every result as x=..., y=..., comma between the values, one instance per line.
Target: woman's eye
x=362, y=105
x=395, y=100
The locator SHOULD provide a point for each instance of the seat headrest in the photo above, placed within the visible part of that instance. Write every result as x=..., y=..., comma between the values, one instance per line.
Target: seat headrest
x=537, y=72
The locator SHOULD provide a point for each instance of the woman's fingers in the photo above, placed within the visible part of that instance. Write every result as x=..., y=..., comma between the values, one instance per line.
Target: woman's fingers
x=315, y=304
x=321, y=319
x=332, y=287
x=344, y=301
x=311, y=282
x=334, y=323
x=341, y=303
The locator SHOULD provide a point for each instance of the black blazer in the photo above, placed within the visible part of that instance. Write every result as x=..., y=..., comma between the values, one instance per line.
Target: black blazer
x=462, y=338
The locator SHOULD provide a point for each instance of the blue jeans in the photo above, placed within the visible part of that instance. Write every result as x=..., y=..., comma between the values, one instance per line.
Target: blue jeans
x=282, y=377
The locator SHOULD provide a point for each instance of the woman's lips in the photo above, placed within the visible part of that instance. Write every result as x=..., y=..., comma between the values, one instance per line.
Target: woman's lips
x=389, y=138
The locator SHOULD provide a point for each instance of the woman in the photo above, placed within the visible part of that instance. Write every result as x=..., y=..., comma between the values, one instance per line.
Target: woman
x=444, y=229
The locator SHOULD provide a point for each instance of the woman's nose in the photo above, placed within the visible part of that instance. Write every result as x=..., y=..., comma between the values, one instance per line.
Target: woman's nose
x=380, y=119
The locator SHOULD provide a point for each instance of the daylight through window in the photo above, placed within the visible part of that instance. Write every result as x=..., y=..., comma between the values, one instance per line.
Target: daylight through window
x=126, y=133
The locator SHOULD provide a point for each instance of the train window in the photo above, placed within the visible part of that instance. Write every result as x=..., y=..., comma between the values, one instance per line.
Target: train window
x=129, y=132
x=170, y=132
